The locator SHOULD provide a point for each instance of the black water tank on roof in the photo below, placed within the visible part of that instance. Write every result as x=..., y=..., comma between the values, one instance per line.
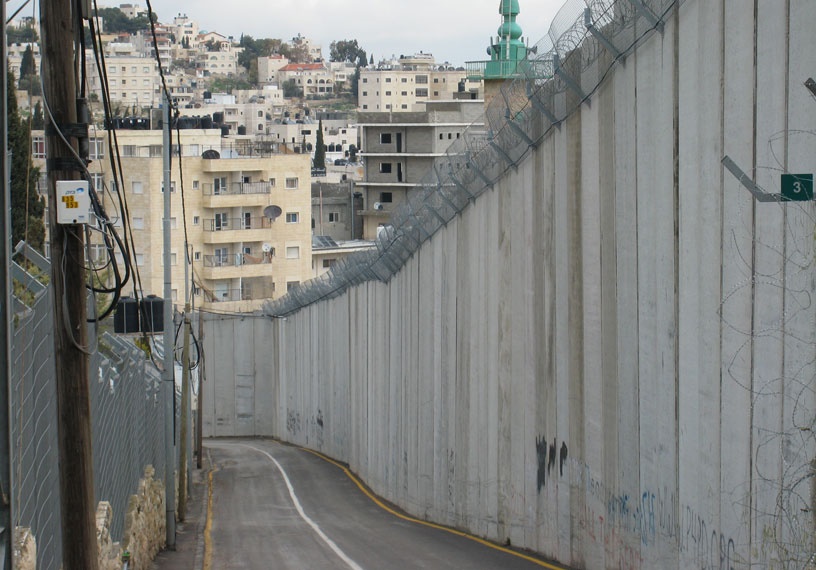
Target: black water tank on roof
x=126, y=316
x=152, y=310
x=241, y=130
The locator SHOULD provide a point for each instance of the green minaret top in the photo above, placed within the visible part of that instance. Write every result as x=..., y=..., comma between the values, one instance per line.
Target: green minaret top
x=506, y=50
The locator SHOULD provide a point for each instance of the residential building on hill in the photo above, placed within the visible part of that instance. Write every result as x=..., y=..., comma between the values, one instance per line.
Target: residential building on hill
x=247, y=214
x=399, y=149
x=409, y=83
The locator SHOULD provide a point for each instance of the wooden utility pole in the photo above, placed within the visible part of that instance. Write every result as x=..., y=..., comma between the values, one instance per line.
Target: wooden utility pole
x=6, y=517
x=200, y=402
x=59, y=22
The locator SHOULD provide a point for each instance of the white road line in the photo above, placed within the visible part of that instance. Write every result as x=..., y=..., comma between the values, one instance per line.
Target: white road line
x=318, y=531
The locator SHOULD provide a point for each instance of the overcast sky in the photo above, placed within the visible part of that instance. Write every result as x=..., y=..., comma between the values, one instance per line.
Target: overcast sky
x=455, y=31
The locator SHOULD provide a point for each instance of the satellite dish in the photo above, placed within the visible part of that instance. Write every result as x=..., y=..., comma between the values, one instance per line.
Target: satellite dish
x=266, y=248
x=272, y=212
x=378, y=206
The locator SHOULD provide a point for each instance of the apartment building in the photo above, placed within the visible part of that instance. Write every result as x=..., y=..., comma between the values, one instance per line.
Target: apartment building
x=133, y=78
x=221, y=60
x=399, y=149
x=15, y=52
x=268, y=67
x=248, y=216
x=311, y=78
x=408, y=84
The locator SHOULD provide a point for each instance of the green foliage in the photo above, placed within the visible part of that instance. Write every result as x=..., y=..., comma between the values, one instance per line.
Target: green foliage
x=38, y=119
x=26, y=34
x=227, y=84
x=27, y=207
x=347, y=50
x=27, y=65
x=320, y=147
x=115, y=21
x=295, y=54
x=212, y=45
x=290, y=89
x=253, y=49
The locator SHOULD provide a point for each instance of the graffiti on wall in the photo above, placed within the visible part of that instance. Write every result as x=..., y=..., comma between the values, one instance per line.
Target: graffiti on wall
x=628, y=524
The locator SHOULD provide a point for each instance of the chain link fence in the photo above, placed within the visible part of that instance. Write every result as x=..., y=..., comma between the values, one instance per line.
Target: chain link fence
x=586, y=39
x=126, y=411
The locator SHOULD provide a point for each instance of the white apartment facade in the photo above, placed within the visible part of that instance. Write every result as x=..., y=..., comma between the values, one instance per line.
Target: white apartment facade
x=248, y=218
x=407, y=84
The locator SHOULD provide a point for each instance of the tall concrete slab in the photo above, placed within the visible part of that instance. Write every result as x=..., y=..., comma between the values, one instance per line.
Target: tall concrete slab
x=608, y=357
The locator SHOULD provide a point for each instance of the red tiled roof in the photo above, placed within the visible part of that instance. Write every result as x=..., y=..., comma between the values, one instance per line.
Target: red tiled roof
x=303, y=67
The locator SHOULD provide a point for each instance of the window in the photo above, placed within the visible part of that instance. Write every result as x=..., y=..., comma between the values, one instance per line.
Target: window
x=385, y=167
x=450, y=136
x=260, y=113
x=422, y=79
x=404, y=93
x=387, y=93
x=441, y=136
x=197, y=256
x=136, y=187
x=272, y=182
x=436, y=80
x=436, y=93
x=195, y=184
x=365, y=106
x=388, y=80
x=388, y=106
x=386, y=197
x=334, y=216
x=404, y=106
x=145, y=69
x=385, y=138
x=292, y=217
x=97, y=148
x=365, y=93
x=137, y=223
x=292, y=252
x=365, y=79
x=220, y=185
x=129, y=150
x=421, y=92
x=405, y=80
x=291, y=183
x=98, y=181
x=328, y=262
x=173, y=259
x=38, y=147
x=196, y=220
x=291, y=285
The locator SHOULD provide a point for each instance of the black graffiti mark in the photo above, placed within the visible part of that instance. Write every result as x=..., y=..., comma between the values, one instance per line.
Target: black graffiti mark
x=562, y=458
x=319, y=418
x=551, y=462
x=546, y=455
x=541, y=455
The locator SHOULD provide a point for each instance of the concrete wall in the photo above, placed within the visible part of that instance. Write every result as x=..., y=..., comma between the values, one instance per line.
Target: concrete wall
x=609, y=357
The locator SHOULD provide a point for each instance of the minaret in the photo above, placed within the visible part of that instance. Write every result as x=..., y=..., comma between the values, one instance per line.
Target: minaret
x=506, y=50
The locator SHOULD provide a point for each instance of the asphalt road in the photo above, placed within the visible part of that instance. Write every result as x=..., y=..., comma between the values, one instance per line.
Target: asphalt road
x=281, y=507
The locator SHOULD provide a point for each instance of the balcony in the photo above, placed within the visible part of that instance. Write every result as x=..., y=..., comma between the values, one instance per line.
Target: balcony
x=229, y=230
x=236, y=194
x=236, y=265
x=237, y=188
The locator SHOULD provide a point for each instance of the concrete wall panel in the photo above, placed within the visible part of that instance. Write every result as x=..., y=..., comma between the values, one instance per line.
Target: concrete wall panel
x=608, y=357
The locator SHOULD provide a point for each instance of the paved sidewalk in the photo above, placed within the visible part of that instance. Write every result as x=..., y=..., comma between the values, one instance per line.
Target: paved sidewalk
x=189, y=552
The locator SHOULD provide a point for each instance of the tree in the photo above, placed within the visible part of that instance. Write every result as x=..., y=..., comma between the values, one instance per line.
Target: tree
x=27, y=208
x=346, y=50
x=320, y=148
x=38, y=119
x=27, y=65
x=22, y=35
x=290, y=89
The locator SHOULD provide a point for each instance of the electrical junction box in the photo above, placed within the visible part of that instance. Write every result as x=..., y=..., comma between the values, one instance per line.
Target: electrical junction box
x=73, y=202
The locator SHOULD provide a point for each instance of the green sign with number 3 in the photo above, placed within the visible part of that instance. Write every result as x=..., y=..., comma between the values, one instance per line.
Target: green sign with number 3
x=797, y=187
